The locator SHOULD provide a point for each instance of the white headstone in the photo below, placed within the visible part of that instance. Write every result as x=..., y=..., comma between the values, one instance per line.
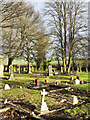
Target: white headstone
x=1, y=65
x=7, y=87
x=75, y=100
x=63, y=100
x=77, y=82
x=29, y=69
x=50, y=70
x=44, y=108
x=11, y=72
x=5, y=101
x=20, y=86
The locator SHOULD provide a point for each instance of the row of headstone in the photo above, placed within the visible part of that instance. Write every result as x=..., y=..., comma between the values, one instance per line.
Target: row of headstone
x=77, y=81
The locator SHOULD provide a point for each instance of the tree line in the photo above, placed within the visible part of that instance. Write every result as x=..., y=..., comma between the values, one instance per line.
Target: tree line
x=24, y=34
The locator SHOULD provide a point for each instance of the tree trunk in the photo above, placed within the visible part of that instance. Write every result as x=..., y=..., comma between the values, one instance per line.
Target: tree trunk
x=64, y=65
x=69, y=65
x=9, y=63
x=69, y=62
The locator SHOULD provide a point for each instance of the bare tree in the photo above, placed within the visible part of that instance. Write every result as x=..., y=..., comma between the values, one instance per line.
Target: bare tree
x=67, y=24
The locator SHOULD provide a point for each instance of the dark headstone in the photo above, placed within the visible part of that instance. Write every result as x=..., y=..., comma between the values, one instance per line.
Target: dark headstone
x=36, y=81
x=78, y=77
x=81, y=82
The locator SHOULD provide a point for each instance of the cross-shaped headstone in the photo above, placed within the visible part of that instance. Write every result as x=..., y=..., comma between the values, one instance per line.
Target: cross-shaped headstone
x=43, y=93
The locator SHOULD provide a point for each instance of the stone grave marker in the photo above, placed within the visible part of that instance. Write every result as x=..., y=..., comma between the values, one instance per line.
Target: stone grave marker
x=1, y=65
x=78, y=77
x=29, y=68
x=50, y=70
x=81, y=82
x=46, y=80
x=44, y=108
x=11, y=77
x=36, y=82
x=75, y=100
x=7, y=87
x=57, y=82
x=77, y=82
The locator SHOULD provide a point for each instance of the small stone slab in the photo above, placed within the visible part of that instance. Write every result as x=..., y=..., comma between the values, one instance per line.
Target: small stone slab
x=7, y=87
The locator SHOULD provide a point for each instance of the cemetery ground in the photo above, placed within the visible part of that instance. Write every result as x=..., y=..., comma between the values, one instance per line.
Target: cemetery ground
x=24, y=98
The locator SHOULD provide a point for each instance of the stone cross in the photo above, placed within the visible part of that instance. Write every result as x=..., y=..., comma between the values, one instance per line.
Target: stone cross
x=43, y=93
x=44, y=108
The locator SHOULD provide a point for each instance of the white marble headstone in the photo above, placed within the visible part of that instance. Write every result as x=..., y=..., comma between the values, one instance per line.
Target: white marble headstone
x=75, y=100
x=77, y=82
x=7, y=87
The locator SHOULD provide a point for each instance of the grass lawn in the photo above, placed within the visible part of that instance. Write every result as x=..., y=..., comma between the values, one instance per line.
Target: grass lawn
x=33, y=97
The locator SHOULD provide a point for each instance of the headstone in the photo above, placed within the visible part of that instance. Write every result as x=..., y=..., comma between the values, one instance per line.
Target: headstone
x=5, y=101
x=57, y=82
x=20, y=86
x=78, y=77
x=46, y=80
x=1, y=65
x=81, y=82
x=56, y=73
x=29, y=69
x=11, y=72
x=44, y=108
x=63, y=100
x=71, y=79
x=77, y=82
x=50, y=70
x=7, y=87
x=75, y=100
x=36, y=82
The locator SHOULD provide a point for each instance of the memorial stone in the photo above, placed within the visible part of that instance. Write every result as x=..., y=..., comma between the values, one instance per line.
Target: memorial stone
x=1, y=65
x=36, y=82
x=29, y=69
x=44, y=108
x=50, y=70
x=11, y=72
x=77, y=82
x=7, y=87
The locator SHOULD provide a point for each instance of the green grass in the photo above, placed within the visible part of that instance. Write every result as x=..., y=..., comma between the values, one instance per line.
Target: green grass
x=79, y=111
x=33, y=97
x=82, y=86
x=20, y=79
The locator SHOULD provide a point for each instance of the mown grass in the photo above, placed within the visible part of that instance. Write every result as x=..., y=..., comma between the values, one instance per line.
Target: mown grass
x=33, y=97
x=20, y=79
x=78, y=112
x=27, y=96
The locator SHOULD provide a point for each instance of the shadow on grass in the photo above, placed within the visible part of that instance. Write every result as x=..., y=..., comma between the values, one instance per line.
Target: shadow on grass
x=11, y=82
x=26, y=105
